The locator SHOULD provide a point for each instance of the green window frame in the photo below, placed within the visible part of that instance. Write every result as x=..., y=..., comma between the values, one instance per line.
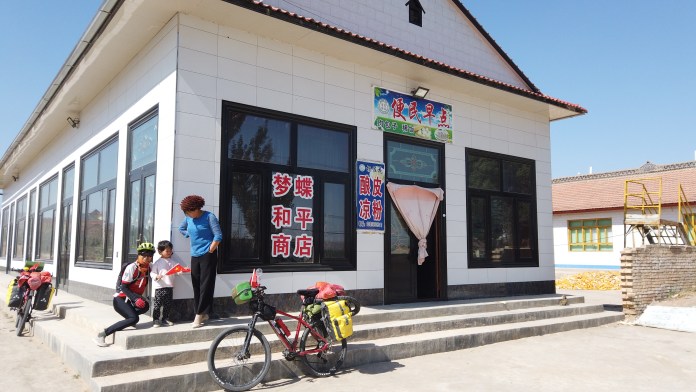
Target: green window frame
x=590, y=235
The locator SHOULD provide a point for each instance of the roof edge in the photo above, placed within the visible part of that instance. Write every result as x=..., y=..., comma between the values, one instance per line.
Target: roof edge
x=647, y=168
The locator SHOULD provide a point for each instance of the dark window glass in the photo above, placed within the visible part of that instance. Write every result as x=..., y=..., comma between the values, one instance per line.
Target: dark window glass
x=334, y=221
x=410, y=162
x=517, y=177
x=90, y=172
x=483, y=173
x=48, y=197
x=30, y=230
x=319, y=148
x=501, y=230
x=259, y=139
x=143, y=144
x=285, y=231
x=244, y=216
x=501, y=210
x=5, y=229
x=20, y=226
x=97, y=205
x=478, y=227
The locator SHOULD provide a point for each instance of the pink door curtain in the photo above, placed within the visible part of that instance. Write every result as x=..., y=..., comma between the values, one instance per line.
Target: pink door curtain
x=418, y=206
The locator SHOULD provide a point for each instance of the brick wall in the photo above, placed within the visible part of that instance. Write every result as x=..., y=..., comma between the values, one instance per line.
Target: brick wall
x=655, y=272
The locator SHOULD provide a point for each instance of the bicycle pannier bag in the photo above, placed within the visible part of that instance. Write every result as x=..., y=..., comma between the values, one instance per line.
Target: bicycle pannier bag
x=44, y=295
x=339, y=319
x=14, y=294
x=242, y=293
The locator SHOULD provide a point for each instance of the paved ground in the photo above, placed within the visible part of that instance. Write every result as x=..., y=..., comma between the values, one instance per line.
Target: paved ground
x=28, y=365
x=617, y=357
x=612, y=358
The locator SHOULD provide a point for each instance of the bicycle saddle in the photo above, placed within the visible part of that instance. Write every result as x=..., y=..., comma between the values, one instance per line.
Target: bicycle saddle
x=308, y=292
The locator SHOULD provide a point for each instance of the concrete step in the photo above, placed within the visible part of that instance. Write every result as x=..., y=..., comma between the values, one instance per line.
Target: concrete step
x=120, y=359
x=195, y=376
x=183, y=333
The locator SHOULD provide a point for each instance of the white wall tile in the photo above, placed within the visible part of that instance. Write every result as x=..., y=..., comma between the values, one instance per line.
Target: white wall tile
x=236, y=92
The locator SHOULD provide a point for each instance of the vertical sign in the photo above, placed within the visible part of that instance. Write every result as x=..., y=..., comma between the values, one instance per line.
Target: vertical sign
x=370, y=198
x=403, y=114
x=291, y=213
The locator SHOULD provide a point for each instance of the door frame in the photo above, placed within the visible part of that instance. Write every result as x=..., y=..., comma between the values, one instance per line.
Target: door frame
x=439, y=223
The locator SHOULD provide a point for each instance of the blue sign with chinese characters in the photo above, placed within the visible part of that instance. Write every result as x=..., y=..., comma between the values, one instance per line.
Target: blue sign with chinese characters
x=370, y=188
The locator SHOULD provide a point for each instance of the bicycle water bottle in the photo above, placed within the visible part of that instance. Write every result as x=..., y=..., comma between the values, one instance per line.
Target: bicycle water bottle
x=282, y=327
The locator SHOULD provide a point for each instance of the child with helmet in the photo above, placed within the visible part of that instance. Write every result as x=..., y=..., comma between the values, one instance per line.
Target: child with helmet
x=128, y=300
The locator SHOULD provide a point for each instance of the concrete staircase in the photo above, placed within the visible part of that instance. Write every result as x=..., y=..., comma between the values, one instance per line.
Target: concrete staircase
x=174, y=358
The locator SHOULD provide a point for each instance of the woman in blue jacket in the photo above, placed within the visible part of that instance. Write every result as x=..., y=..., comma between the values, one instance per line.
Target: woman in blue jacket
x=203, y=228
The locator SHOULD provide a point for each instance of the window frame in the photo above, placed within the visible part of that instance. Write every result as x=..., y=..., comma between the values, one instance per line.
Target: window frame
x=49, y=207
x=265, y=170
x=595, y=228
x=106, y=188
x=517, y=201
x=5, y=229
x=20, y=226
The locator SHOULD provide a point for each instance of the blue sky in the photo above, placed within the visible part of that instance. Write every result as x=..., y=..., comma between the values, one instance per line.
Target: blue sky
x=629, y=62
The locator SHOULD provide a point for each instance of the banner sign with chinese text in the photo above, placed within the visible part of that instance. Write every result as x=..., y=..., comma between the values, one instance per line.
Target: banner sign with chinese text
x=370, y=188
x=406, y=115
x=292, y=217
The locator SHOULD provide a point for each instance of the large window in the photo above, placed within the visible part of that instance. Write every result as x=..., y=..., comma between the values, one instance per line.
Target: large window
x=48, y=199
x=95, y=242
x=30, y=230
x=501, y=198
x=4, y=234
x=20, y=229
x=590, y=235
x=289, y=179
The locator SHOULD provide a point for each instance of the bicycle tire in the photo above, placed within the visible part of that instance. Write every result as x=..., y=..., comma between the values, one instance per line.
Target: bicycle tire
x=324, y=363
x=25, y=316
x=235, y=372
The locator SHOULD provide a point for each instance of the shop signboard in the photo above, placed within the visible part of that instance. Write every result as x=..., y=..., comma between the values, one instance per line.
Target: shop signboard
x=370, y=189
x=292, y=216
x=406, y=115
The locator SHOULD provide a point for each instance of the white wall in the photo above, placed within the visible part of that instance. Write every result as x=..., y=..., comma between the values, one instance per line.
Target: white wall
x=446, y=34
x=147, y=81
x=222, y=63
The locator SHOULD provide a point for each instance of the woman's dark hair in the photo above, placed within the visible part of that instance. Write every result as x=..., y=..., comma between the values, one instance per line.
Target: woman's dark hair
x=162, y=245
x=192, y=203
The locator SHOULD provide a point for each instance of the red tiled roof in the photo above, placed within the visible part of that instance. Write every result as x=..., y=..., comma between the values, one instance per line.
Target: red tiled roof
x=534, y=93
x=605, y=191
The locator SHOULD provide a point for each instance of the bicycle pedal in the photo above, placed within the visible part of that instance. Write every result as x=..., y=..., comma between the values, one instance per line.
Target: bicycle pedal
x=288, y=355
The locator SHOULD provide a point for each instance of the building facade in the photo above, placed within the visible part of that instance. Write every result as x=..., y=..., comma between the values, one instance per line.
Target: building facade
x=588, y=211
x=291, y=119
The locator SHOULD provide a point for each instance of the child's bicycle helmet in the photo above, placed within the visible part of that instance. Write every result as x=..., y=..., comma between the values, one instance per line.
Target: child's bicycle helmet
x=146, y=247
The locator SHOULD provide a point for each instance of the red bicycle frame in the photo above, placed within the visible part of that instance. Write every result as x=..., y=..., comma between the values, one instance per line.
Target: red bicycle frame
x=292, y=346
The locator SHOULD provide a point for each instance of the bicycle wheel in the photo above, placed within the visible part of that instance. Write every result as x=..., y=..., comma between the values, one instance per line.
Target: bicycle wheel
x=26, y=312
x=234, y=368
x=324, y=363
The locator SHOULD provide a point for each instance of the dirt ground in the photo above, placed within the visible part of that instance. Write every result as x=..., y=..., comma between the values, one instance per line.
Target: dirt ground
x=683, y=299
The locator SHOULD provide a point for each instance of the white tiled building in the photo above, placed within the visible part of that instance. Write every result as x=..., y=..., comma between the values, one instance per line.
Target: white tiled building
x=217, y=97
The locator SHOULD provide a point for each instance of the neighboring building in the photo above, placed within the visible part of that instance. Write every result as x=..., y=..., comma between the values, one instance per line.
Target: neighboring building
x=274, y=113
x=588, y=212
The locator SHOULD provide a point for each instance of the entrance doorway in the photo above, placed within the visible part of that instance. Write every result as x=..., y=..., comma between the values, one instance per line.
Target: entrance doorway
x=413, y=162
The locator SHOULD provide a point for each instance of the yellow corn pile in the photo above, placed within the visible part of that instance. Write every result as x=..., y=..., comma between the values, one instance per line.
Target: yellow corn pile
x=591, y=280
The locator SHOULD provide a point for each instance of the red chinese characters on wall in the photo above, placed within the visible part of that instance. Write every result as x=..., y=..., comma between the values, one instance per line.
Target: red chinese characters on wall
x=284, y=217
